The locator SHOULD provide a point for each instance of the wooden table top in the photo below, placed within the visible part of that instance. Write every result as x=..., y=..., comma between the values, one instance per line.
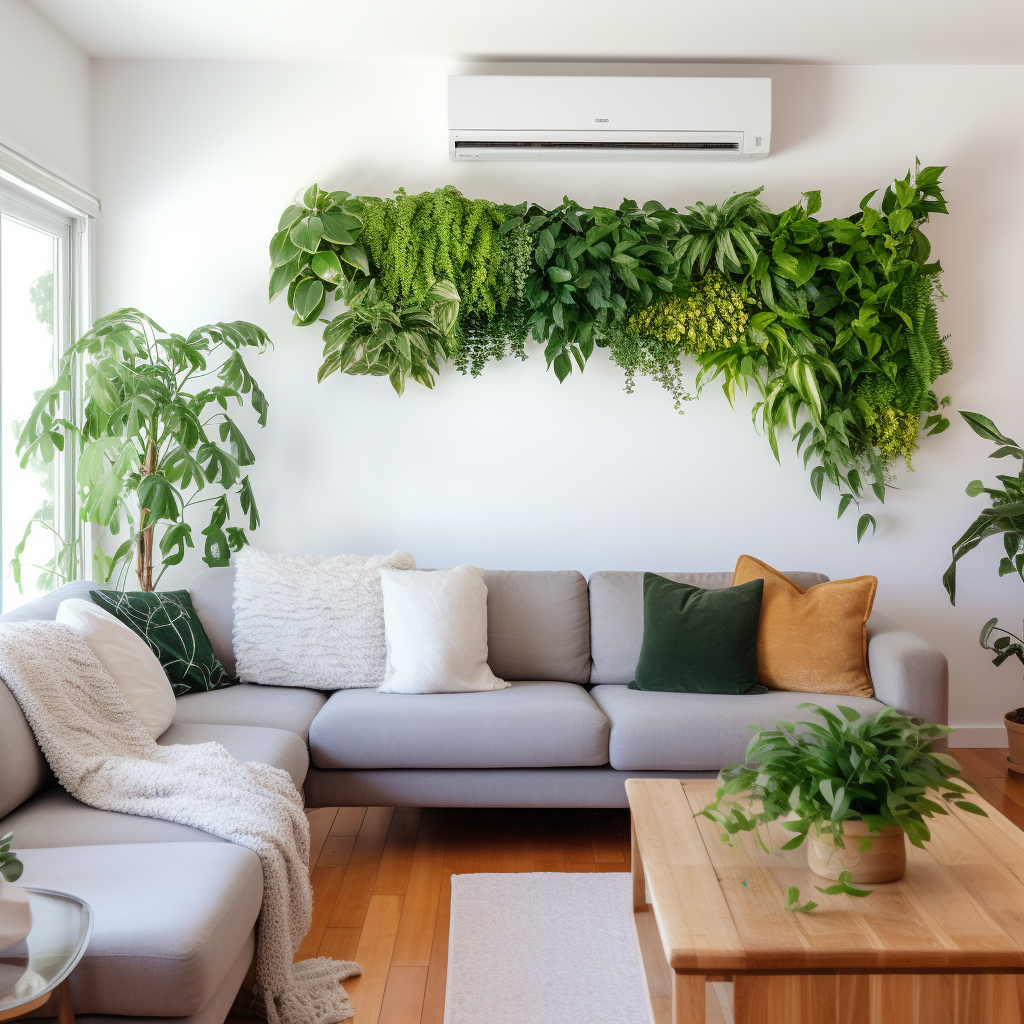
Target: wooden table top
x=721, y=909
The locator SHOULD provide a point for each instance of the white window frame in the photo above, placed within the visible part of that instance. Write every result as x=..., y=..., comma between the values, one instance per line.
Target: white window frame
x=38, y=197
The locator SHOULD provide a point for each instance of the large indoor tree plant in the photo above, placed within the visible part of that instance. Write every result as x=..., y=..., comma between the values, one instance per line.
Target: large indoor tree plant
x=1005, y=518
x=155, y=441
x=852, y=787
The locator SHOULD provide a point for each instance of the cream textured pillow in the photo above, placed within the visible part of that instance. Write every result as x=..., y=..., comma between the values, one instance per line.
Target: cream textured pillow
x=311, y=620
x=436, y=625
x=127, y=657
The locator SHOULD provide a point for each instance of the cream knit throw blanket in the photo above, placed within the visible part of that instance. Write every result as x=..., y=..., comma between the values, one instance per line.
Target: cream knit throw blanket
x=103, y=756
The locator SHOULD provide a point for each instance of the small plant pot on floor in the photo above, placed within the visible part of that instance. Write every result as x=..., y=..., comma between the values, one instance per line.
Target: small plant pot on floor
x=885, y=860
x=1014, y=722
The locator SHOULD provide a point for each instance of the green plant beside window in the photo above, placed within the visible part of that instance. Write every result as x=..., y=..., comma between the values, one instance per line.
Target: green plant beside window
x=819, y=774
x=155, y=437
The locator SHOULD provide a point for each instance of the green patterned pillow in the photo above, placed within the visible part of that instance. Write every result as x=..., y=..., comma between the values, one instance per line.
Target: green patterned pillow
x=167, y=622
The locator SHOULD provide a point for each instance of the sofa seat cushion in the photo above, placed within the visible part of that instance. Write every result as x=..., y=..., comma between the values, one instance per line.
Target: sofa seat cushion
x=698, y=731
x=276, y=747
x=528, y=725
x=167, y=927
x=55, y=818
x=273, y=707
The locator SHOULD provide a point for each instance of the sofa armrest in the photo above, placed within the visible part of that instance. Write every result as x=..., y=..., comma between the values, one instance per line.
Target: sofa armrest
x=907, y=672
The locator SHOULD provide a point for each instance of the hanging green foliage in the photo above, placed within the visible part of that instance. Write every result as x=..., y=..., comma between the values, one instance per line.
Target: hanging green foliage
x=394, y=340
x=647, y=357
x=714, y=315
x=481, y=338
x=416, y=241
x=895, y=434
x=833, y=322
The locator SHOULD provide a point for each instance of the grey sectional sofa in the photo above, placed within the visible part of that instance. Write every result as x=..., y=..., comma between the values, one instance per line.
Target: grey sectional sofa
x=176, y=908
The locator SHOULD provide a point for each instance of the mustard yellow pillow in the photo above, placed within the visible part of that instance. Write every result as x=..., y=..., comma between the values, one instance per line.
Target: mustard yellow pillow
x=812, y=640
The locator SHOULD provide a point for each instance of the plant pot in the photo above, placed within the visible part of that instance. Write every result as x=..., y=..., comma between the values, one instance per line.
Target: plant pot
x=1015, y=740
x=15, y=914
x=884, y=861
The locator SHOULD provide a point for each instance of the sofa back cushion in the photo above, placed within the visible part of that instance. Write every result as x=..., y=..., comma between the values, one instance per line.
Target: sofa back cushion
x=213, y=593
x=538, y=623
x=23, y=768
x=44, y=609
x=617, y=616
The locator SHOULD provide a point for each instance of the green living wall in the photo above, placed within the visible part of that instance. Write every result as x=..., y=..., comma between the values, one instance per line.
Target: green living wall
x=833, y=322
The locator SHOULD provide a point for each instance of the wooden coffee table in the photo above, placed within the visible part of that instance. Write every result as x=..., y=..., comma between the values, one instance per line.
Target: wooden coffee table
x=945, y=945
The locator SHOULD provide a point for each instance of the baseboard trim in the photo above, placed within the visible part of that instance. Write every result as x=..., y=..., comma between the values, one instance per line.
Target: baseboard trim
x=979, y=736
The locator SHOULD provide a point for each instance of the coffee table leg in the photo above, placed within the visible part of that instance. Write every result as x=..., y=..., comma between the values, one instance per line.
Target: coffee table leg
x=637, y=869
x=67, y=1015
x=687, y=999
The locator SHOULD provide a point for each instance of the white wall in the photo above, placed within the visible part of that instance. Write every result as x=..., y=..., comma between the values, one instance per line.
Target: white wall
x=195, y=161
x=44, y=93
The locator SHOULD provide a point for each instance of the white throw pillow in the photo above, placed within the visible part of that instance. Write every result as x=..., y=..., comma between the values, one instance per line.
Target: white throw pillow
x=436, y=626
x=311, y=620
x=127, y=657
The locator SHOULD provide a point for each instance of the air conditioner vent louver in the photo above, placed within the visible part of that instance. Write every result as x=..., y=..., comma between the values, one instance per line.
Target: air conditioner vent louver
x=526, y=117
x=492, y=144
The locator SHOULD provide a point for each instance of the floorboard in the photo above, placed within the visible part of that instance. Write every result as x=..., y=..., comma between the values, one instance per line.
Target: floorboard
x=382, y=881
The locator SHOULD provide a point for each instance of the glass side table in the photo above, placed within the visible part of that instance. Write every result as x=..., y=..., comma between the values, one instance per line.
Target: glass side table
x=30, y=971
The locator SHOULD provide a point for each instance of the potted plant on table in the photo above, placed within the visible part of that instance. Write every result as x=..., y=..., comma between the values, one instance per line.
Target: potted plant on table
x=1004, y=517
x=853, y=787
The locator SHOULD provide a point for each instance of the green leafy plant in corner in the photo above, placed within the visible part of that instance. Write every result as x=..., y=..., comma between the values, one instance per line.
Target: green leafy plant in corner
x=155, y=436
x=10, y=867
x=819, y=774
x=1005, y=518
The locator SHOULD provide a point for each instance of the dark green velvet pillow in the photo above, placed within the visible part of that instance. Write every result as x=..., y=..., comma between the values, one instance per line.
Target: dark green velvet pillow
x=699, y=641
x=170, y=626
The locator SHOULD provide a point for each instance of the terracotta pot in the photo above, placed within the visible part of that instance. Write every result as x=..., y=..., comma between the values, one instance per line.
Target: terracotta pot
x=1015, y=737
x=884, y=861
x=15, y=914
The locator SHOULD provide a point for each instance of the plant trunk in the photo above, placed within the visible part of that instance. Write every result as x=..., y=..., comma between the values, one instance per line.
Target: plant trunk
x=144, y=556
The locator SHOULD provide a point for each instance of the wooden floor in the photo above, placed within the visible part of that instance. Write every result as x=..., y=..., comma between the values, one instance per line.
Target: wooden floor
x=382, y=875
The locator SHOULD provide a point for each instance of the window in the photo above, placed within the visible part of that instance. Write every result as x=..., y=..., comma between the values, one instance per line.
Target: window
x=43, y=245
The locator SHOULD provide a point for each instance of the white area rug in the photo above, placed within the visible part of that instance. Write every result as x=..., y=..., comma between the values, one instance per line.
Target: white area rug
x=548, y=948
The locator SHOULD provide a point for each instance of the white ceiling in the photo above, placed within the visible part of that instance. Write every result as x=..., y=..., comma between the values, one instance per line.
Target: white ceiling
x=816, y=31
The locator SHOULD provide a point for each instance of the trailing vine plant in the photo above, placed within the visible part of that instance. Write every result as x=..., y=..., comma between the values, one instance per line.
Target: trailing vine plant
x=833, y=322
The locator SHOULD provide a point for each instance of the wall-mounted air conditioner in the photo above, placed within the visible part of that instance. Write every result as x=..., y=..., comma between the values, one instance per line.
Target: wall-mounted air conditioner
x=504, y=117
